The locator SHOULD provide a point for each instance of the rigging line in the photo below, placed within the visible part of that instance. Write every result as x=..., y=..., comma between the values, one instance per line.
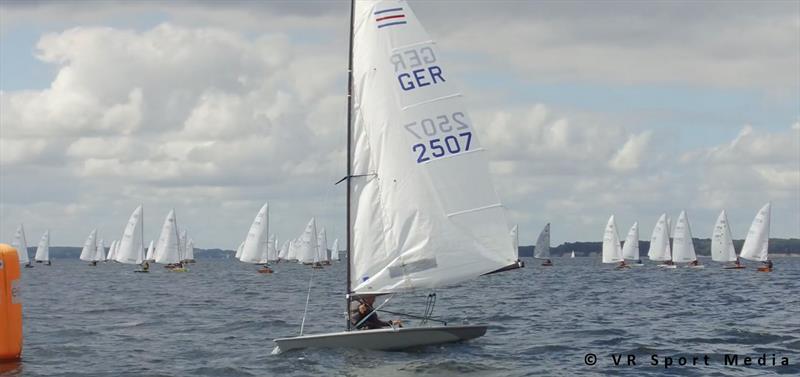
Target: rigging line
x=413, y=316
x=308, y=298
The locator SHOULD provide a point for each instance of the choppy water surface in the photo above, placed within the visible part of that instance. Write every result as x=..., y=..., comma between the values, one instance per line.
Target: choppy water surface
x=220, y=318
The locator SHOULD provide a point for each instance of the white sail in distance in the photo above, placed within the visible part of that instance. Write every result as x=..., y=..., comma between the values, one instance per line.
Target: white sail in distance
x=659, y=241
x=630, y=250
x=167, y=247
x=255, y=245
x=682, y=244
x=756, y=244
x=722, y=249
x=283, y=254
x=322, y=245
x=21, y=244
x=43, y=249
x=335, y=250
x=424, y=209
x=89, y=250
x=150, y=254
x=130, y=249
x=100, y=251
x=307, y=244
x=542, y=249
x=189, y=250
x=112, y=250
x=612, y=252
x=272, y=249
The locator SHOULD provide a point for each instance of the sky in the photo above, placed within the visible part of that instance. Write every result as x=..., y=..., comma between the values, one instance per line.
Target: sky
x=587, y=109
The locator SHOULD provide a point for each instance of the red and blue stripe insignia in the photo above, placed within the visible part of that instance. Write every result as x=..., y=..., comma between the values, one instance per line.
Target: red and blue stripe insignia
x=390, y=17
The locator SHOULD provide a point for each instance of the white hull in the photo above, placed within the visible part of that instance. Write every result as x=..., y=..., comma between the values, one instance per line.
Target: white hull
x=667, y=266
x=700, y=266
x=383, y=339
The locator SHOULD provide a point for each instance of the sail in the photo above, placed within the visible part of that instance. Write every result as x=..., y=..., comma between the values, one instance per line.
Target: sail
x=424, y=210
x=659, y=241
x=130, y=249
x=100, y=251
x=255, y=245
x=167, y=247
x=515, y=238
x=756, y=245
x=21, y=244
x=572, y=255
x=670, y=232
x=283, y=254
x=335, y=250
x=722, y=249
x=307, y=244
x=182, y=242
x=189, y=250
x=112, y=250
x=322, y=245
x=89, y=251
x=272, y=249
x=542, y=250
x=612, y=252
x=630, y=250
x=239, y=250
x=43, y=249
x=682, y=245
x=150, y=255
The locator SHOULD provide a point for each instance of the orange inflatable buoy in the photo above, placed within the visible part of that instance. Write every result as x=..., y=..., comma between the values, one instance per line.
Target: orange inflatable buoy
x=10, y=305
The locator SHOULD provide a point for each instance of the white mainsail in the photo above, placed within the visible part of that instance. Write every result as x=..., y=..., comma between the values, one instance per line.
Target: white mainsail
x=130, y=249
x=112, y=250
x=43, y=249
x=722, y=249
x=322, y=246
x=272, y=249
x=335, y=250
x=756, y=245
x=182, y=242
x=89, y=251
x=612, y=252
x=21, y=244
x=255, y=245
x=150, y=255
x=630, y=250
x=292, y=254
x=659, y=241
x=424, y=210
x=167, y=247
x=515, y=238
x=284, y=253
x=101, y=251
x=307, y=244
x=542, y=249
x=189, y=250
x=682, y=245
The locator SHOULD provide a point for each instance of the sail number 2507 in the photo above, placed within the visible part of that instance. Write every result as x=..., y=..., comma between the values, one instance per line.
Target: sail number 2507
x=454, y=136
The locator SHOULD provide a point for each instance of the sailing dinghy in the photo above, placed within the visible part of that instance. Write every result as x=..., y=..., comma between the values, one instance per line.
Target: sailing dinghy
x=659, y=244
x=89, y=251
x=168, y=247
x=422, y=212
x=612, y=252
x=682, y=244
x=21, y=244
x=542, y=249
x=756, y=244
x=43, y=249
x=630, y=250
x=130, y=249
x=722, y=249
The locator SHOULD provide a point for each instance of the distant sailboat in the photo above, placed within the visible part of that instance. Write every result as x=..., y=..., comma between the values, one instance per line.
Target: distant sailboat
x=682, y=244
x=573, y=254
x=21, y=244
x=255, y=245
x=283, y=254
x=515, y=238
x=150, y=254
x=542, y=249
x=659, y=243
x=272, y=249
x=756, y=245
x=307, y=244
x=335, y=250
x=112, y=251
x=612, y=252
x=722, y=249
x=130, y=249
x=188, y=253
x=322, y=247
x=100, y=255
x=630, y=250
x=89, y=251
x=168, y=247
x=43, y=249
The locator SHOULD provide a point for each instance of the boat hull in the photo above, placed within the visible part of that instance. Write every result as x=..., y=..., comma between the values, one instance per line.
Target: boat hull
x=383, y=339
x=670, y=266
x=733, y=267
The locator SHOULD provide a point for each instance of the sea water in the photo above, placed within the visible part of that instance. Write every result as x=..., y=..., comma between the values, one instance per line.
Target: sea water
x=219, y=319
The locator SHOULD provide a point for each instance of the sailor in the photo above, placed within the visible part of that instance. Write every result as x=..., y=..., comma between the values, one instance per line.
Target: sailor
x=372, y=322
x=145, y=266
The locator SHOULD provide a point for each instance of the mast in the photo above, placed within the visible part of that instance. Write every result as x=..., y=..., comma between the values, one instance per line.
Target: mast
x=144, y=250
x=349, y=156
